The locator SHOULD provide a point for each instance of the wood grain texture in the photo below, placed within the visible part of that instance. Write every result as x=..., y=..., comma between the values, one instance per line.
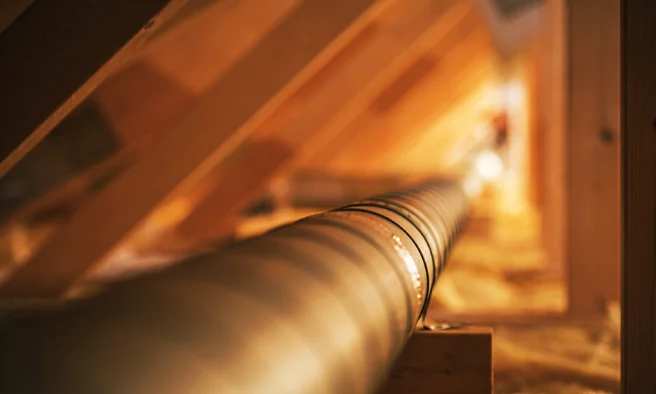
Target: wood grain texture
x=403, y=138
x=639, y=204
x=140, y=102
x=445, y=362
x=178, y=65
x=336, y=94
x=56, y=53
x=593, y=162
x=414, y=75
x=551, y=123
x=242, y=179
x=187, y=152
x=375, y=131
x=199, y=51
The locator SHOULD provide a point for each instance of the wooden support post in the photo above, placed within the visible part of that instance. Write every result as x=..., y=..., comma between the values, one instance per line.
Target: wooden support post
x=455, y=361
x=337, y=94
x=551, y=123
x=639, y=202
x=56, y=53
x=592, y=158
x=188, y=152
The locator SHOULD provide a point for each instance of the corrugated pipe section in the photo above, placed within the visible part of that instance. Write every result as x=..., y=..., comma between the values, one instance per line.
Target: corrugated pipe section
x=323, y=305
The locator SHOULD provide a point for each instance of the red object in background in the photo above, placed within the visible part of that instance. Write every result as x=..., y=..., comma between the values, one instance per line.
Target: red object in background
x=500, y=123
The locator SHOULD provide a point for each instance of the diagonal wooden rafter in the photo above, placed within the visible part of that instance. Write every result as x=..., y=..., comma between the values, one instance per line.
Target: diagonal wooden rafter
x=177, y=69
x=430, y=141
x=198, y=55
x=383, y=134
x=381, y=125
x=305, y=40
x=139, y=102
x=415, y=138
x=169, y=75
x=42, y=75
x=338, y=94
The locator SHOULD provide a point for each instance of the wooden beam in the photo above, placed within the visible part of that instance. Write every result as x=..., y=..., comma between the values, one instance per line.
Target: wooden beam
x=440, y=144
x=201, y=51
x=337, y=94
x=552, y=126
x=142, y=99
x=56, y=53
x=457, y=361
x=140, y=102
x=427, y=145
x=148, y=95
x=374, y=124
x=241, y=180
x=187, y=152
x=72, y=192
x=639, y=202
x=593, y=156
x=397, y=129
x=428, y=89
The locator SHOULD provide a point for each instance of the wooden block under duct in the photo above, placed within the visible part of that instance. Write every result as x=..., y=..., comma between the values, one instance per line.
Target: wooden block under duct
x=455, y=361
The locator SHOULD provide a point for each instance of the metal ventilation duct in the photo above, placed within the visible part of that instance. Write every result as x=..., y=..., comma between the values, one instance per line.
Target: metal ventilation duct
x=323, y=305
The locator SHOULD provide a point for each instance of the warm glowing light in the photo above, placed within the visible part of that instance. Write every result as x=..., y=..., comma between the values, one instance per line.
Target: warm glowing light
x=472, y=185
x=481, y=131
x=512, y=94
x=515, y=95
x=489, y=166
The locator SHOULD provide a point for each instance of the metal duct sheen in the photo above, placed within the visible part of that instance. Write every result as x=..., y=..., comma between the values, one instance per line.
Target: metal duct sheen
x=323, y=305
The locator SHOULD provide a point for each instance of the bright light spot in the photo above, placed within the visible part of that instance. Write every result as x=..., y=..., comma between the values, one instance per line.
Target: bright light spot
x=514, y=92
x=511, y=93
x=489, y=166
x=472, y=186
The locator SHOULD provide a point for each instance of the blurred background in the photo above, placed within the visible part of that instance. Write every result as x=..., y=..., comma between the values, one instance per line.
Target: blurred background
x=517, y=99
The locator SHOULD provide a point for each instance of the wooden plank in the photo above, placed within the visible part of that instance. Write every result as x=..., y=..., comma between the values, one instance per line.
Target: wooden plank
x=407, y=93
x=639, y=200
x=593, y=162
x=551, y=120
x=140, y=102
x=142, y=99
x=188, y=151
x=402, y=126
x=430, y=143
x=56, y=53
x=196, y=56
x=72, y=192
x=387, y=142
x=240, y=181
x=455, y=361
x=337, y=94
